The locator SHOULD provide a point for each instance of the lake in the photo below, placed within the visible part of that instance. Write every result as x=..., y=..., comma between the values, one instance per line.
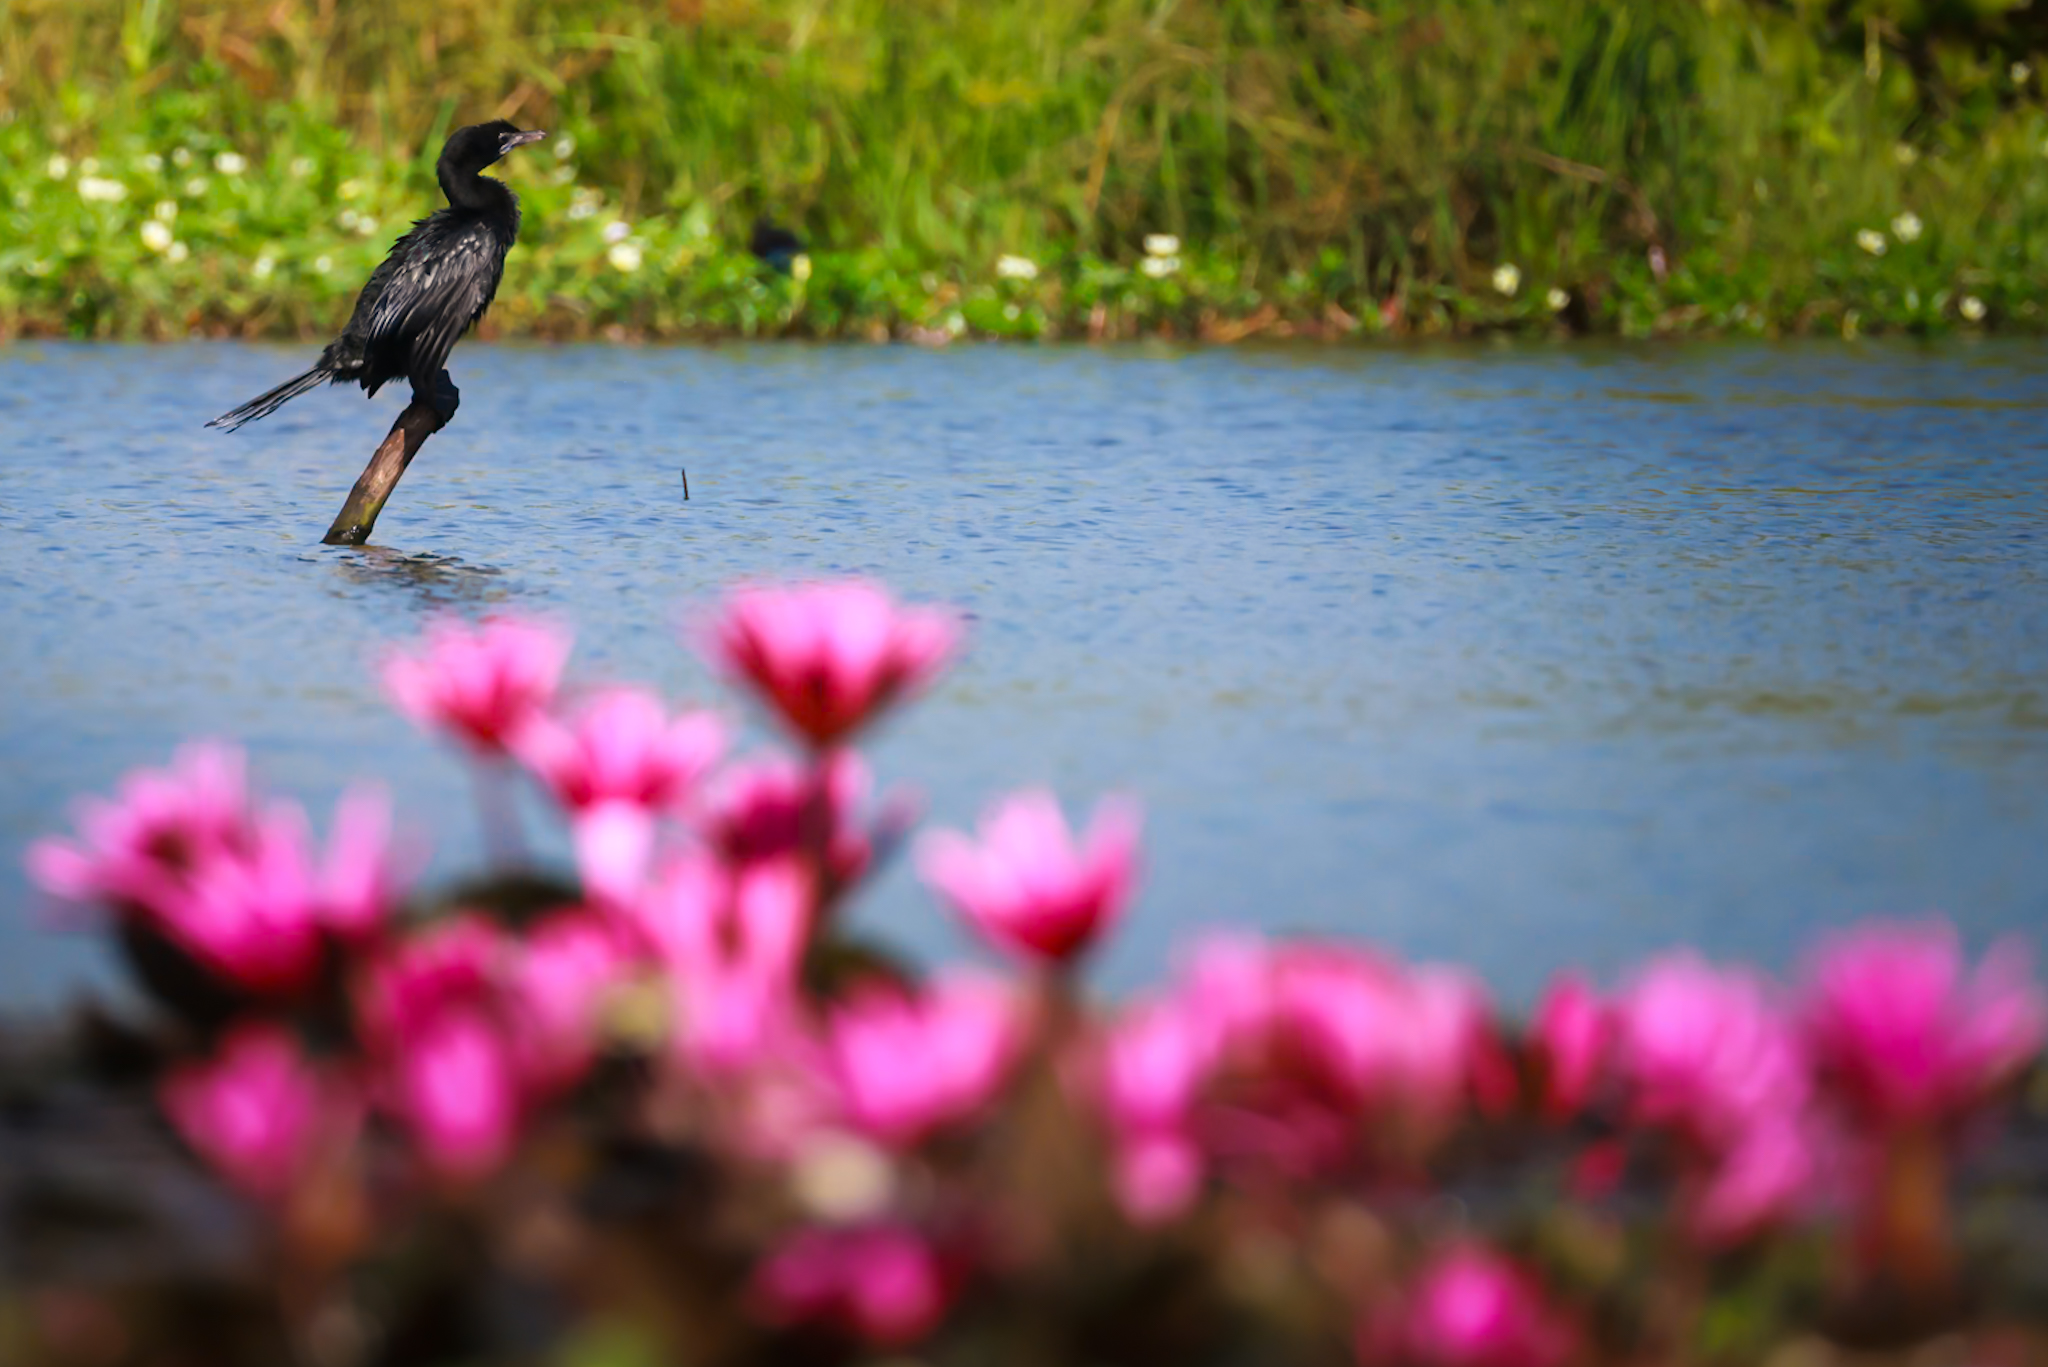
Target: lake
x=1520, y=656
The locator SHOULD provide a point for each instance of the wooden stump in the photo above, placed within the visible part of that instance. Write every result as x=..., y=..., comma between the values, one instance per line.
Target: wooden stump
x=421, y=419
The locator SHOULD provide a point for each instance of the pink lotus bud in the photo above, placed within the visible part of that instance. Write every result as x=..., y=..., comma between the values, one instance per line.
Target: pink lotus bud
x=482, y=684
x=621, y=747
x=1570, y=1039
x=1903, y=1037
x=880, y=1283
x=258, y=1110
x=1471, y=1308
x=829, y=657
x=908, y=1066
x=1026, y=886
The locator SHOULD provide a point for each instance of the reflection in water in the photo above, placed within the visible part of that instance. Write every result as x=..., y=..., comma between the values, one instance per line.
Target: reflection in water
x=1507, y=655
x=439, y=583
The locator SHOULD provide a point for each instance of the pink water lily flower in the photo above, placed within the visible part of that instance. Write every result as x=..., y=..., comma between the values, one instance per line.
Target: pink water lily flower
x=1027, y=886
x=1904, y=1035
x=137, y=849
x=433, y=1014
x=732, y=943
x=1571, y=1038
x=259, y=1110
x=1148, y=1072
x=761, y=810
x=560, y=980
x=1706, y=1051
x=883, y=1284
x=482, y=684
x=829, y=657
x=621, y=746
x=1471, y=1308
x=1767, y=1176
x=909, y=1065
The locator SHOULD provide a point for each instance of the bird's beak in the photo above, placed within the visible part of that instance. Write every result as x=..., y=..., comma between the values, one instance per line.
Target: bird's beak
x=512, y=140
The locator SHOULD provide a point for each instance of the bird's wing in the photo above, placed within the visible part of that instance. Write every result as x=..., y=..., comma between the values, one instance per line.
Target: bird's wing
x=434, y=293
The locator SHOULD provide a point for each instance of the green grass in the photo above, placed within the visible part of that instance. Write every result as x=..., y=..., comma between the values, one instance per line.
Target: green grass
x=1644, y=166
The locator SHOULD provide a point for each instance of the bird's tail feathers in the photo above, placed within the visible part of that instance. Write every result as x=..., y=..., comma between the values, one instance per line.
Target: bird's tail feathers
x=264, y=404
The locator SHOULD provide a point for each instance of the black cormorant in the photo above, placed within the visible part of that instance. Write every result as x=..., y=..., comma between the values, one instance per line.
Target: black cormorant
x=437, y=281
x=775, y=244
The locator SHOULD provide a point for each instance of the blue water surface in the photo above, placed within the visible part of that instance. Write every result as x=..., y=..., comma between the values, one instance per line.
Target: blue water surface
x=1523, y=657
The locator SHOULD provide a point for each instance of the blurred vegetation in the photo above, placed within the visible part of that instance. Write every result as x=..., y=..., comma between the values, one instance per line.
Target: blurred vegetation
x=1634, y=166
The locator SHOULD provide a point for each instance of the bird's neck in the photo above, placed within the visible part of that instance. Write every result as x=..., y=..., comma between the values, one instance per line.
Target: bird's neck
x=477, y=194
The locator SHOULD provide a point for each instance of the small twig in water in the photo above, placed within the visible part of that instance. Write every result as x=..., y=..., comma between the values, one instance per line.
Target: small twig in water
x=686, y=483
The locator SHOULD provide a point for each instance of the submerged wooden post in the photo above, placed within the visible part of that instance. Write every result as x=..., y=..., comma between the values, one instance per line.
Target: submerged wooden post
x=421, y=419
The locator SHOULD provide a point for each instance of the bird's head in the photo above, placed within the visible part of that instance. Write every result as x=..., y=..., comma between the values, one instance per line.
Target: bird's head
x=480, y=144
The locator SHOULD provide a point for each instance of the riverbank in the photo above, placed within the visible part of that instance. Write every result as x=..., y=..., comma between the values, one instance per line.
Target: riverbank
x=1218, y=169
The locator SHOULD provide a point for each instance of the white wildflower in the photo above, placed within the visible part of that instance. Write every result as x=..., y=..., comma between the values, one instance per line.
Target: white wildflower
x=181, y=157
x=617, y=231
x=1871, y=240
x=152, y=163
x=2020, y=72
x=322, y=264
x=563, y=174
x=800, y=267
x=366, y=226
x=349, y=189
x=1159, y=267
x=89, y=167
x=956, y=323
x=1972, y=309
x=1906, y=227
x=263, y=266
x=301, y=167
x=230, y=163
x=347, y=219
x=582, y=209
x=1557, y=299
x=178, y=252
x=565, y=147
x=625, y=257
x=1905, y=154
x=1161, y=244
x=58, y=166
x=1012, y=313
x=166, y=211
x=1016, y=267
x=156, y=236
x=1507, y=277
x=195, y=187
x=100, y=190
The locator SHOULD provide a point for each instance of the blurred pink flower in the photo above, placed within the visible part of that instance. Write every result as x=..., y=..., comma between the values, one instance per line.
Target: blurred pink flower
x=621, y=746
x=455, y=1088
x=1705, y=1051
x=258, y=1110
x=1570, y=1039
x=483, y=684
x=881, y=1283
x=563, y=972
x=1903, y=1036
x=829, y=657
x=432, y=1012
x=614, y=844
x=910, y=1065
x=359, y=884
x=732, y=943
x=760, y=809
x=1471, y=1308
x=1026, y=886
x=1765, y=1177
x=1148, y=1071
x=140, y=847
